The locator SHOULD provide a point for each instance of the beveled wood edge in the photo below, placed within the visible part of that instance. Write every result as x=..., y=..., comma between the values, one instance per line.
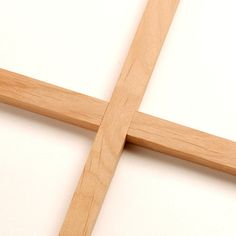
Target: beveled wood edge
x=145, y=130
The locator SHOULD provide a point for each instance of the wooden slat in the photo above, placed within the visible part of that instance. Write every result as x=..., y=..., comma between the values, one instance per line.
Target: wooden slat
x=50, y=100
x=186, y=143
x=146, y=131
x=111, y=136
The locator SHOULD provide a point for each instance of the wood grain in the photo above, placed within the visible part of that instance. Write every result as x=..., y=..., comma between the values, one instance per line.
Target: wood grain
x=110, y=139
x=145, y=130
x=50, y=100
x=117, y=121
x=183, y=142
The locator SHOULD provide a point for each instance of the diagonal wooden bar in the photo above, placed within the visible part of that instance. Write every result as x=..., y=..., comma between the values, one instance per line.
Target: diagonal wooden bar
x=111, y=136
x=145, y=130
x=50, y=100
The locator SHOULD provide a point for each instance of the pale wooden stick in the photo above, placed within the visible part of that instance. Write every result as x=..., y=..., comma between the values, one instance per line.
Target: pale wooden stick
x=146, y=131
x=185, y=143
x=50, y=100
x=111, y=136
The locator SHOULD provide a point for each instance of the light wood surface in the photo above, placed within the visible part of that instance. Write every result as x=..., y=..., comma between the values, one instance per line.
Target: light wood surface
x=183, y=142
x=118, y=120
x=145, y=130
x=111, y=136
x=50, y=100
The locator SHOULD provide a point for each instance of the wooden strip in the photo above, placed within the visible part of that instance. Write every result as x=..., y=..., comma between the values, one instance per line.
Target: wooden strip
x=111, y=136
x=146, y=131
x=50, y=100
x=186, y=143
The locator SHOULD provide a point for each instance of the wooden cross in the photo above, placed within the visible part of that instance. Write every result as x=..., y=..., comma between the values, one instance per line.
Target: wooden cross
x=118, y=121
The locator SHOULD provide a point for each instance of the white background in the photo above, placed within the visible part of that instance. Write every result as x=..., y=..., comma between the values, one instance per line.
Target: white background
x=81, y=45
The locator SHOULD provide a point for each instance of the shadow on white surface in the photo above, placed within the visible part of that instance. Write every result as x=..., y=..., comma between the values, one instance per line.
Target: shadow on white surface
x=181, y=165
x=45, y=121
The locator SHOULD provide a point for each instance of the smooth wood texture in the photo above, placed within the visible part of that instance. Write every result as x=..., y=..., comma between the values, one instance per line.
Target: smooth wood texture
x=183, y=142
x=111, y=136
x=50, y=100
x=116, y=121
x=145, y=130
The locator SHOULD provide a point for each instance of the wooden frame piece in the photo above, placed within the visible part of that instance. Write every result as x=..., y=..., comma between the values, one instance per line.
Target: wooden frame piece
x=111, y=136
x=118, y=120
